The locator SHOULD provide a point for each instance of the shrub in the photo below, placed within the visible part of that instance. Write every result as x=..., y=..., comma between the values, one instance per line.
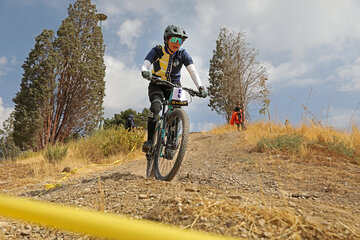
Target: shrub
x=287, y=142
x=341, y=148
x=26, y=154
x=55, y=153
x=105, y=143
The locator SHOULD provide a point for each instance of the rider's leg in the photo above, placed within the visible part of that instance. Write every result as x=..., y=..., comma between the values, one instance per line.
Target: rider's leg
x=155, y=96
x=155, y=108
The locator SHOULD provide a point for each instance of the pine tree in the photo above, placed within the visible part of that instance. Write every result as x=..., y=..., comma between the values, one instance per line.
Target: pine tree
x=235, y=75
x=63, y=86
x=35, y=90
x=80, y=76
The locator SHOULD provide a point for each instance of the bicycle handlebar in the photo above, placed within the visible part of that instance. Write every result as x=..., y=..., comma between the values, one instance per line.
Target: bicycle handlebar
x=158, y=80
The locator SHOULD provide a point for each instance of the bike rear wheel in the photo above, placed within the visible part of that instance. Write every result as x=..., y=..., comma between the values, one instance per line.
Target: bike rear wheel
x=172, y=147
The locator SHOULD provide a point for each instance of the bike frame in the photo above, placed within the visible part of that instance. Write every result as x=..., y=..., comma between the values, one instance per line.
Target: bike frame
x=163, y=118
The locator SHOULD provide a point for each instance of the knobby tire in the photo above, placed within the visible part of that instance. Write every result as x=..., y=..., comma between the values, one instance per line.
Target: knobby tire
x=150, y=171
x=182, y=115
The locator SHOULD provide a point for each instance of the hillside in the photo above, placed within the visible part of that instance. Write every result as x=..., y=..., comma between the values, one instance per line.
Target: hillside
x=222, y=187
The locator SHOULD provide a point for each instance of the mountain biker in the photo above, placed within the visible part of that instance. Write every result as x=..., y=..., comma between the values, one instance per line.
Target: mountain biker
x=167, y=61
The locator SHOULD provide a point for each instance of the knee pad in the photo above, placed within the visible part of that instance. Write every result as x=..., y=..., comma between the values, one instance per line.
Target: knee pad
x=155, y=108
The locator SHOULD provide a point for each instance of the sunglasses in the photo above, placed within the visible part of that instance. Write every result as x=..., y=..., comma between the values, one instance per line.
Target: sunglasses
x=176, y=39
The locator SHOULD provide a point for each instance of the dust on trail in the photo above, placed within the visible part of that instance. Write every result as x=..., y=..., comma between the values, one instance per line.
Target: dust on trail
x=222, y=187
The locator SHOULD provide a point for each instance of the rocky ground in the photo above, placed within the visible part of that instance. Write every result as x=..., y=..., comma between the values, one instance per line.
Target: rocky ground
x=222, y=187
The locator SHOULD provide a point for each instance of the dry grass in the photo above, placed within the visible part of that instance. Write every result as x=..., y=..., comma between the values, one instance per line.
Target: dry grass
x=309, y=139
x=256, y=221
x=223, y=128
x=264, y=219
x=86, y=155
x=250, y=219
x=257, y=130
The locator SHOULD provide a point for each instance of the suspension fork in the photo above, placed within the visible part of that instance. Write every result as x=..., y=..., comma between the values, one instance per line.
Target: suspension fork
x=164, y=122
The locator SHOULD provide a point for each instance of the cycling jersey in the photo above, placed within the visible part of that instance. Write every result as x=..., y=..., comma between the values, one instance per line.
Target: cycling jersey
x=167, y=66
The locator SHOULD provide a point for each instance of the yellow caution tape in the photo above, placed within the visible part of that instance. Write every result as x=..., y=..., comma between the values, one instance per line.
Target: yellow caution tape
x=95, y=223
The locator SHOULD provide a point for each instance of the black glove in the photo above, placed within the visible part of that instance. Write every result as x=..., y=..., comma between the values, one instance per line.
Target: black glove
x=146, y=74
x=203, y=92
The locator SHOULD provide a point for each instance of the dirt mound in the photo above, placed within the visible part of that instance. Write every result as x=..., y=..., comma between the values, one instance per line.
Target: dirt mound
x=222, y=187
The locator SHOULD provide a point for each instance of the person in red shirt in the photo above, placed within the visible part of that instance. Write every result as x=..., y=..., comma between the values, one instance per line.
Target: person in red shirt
x=238, y=117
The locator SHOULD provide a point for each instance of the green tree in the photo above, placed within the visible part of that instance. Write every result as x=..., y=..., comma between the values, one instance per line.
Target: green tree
x=37, y=85
x=235, y=75
x=8, y=149
x=63, y=86
x=140, y=118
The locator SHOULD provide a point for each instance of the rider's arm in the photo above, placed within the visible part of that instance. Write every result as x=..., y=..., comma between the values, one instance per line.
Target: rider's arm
x=188, y=62
x=194, y=75
x=149, y=59
x=146, y=65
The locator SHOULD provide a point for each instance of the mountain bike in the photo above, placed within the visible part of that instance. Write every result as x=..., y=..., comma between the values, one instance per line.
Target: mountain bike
x=171, y=134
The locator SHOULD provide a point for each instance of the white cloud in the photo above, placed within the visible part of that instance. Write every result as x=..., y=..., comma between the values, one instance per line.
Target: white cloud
x=4, y=113
x=125, y=88
x=343, y=118
x=205, y=126
x=297, y=25
x=129, y=31
x=207, y=14
x=3, y=62
x=116, y=7
x=350, y=73
x=286, y=71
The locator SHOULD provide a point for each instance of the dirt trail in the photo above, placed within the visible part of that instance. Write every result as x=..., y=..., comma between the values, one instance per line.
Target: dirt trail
x=222, y=187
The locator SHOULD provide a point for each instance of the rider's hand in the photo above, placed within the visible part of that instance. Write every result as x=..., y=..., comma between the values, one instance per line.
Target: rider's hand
x=203, y=91
x=146, y=74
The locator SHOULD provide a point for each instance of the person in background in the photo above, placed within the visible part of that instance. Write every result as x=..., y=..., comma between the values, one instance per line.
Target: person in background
x=238, y=117
x=130, y=124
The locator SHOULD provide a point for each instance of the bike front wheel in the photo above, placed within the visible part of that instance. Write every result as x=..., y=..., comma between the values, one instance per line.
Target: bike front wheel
x=150, y=171
x=172, y=146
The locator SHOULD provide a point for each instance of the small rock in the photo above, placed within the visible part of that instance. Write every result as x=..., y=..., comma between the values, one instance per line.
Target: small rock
x=191, y=190
x=25, y=233
x=262, y=222
x=229, y=224
x=142, y=196
x=3, y=225
x=153, y=195
x=267, y=234
x=185, y=217
x=235, y=197
x=66, y=169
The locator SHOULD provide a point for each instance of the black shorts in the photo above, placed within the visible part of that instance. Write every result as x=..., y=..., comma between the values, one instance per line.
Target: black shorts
x=158, y=92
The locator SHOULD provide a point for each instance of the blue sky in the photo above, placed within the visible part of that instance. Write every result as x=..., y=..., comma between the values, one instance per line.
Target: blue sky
x=310, y=47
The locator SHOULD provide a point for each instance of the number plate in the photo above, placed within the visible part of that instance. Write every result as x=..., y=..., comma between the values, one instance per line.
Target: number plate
x=178, y=97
